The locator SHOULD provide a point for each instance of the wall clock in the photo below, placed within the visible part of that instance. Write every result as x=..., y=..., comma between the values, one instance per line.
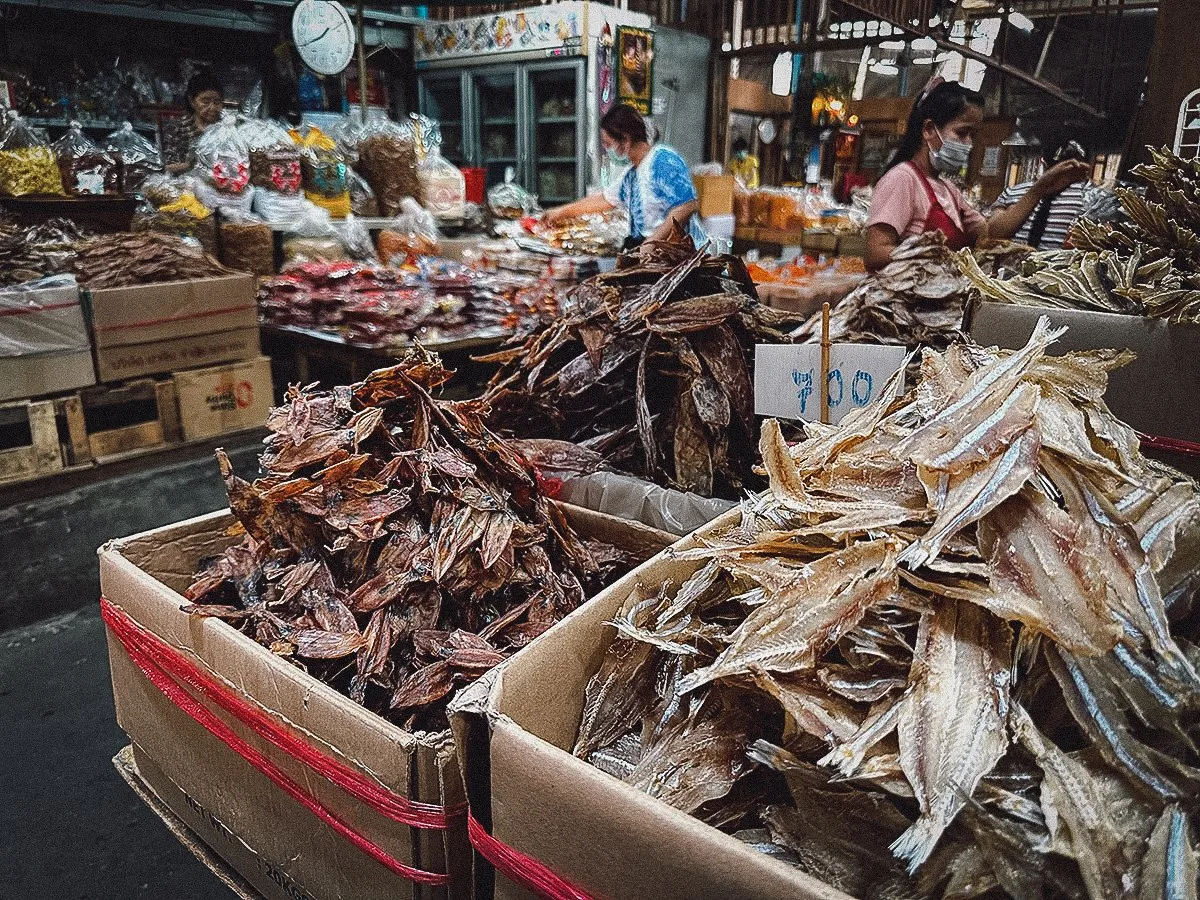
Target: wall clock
x=324, y=35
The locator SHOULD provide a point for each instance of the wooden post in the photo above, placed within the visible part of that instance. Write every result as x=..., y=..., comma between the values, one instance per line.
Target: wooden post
x=825, y=364
x=362, y=61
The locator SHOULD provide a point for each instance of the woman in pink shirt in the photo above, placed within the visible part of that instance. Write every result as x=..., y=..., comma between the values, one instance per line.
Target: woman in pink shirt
x=912, y=198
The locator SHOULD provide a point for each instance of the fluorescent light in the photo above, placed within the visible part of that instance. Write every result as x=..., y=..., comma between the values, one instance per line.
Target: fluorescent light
x=924, y=45
x=1021, y=21
x=892, y=45
x=885, y=69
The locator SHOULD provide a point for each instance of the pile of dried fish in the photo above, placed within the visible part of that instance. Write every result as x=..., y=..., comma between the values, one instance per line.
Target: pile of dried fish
x=1102, y=281
x=125, y=258
x=29, y=253
x=917, y=299
x=395, y=546
x=1163, y=225
x=952, y=652
x=650, y=366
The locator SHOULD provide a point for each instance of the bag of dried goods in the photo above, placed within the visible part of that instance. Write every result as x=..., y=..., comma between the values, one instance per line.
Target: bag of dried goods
x=27, y=164
x=137, y=157
x=443, y=186
x=247, y=245
x=84, y=167
x=323, y=170
x=222, y=158
x=362, y=198
x=274, y=157
x=509, y=200
x=412, y=233
x=387, y=158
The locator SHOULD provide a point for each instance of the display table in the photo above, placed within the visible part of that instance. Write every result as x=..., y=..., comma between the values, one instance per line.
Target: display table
x=307, y=355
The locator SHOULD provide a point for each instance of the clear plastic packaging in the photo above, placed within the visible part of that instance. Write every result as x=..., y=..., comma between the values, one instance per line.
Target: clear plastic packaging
x=277, y=208
x=85, y=168
x=184, y=216
x=240, y=203
x=641, y=501
x=387, y=158
x=509, y=200
x=412, y=233
x=248, y=245
x=58, y=325
x=313, y=249
x=274, y=156
x=138, y=157
x=357, y=238
x=27, y=164
x=160, y=188
x=443, y=186
x=322, y=165
x=223, y=159
x=362, y=198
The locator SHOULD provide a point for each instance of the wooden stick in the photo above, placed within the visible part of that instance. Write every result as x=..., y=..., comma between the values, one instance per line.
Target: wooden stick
x=825, y=364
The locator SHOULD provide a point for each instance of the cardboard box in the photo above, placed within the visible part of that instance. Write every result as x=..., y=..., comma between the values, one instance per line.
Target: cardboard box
x=45, y=373
x=134, y=360
x=1155, y=394
x=272, y=840
x=44, y=343
x=604, y=837
x=808, y=298
x=224, y=398
x=715, y=193
x=171, y=310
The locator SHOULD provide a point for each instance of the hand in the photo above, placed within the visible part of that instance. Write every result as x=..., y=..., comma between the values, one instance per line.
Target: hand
x=554, y=216
x=1062, y=176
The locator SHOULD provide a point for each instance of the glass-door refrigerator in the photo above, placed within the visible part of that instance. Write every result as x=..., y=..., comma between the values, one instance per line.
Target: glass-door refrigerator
x=555, y=130
x=495, y=115
x=442, y=98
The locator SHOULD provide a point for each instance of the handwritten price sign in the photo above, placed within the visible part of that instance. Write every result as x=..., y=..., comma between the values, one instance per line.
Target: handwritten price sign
x=787, y=378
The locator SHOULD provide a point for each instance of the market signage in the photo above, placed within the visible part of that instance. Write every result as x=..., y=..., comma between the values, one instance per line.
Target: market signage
x=543, y=28
x=787, y=378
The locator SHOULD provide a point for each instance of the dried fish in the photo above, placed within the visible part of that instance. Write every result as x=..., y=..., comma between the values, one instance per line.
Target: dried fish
x=395, y=529
x=946, y=624
x=658, y=352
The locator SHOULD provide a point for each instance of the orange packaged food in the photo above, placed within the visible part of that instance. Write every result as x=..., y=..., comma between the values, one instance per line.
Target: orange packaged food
x=760, y=209
x=788, y=211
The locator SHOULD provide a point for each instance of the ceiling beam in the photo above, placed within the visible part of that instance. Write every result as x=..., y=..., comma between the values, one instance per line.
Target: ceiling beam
x=1012, y=71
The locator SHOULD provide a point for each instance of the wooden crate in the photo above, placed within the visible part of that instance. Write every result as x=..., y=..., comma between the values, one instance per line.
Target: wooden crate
x=29, y=444
x=135, y=415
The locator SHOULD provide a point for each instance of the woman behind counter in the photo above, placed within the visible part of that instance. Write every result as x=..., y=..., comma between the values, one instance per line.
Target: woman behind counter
x=206, y=97
x=656, y=189
x=912, y=198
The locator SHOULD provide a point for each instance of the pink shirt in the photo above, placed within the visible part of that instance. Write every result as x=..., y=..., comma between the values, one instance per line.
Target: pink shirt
x=900, y=200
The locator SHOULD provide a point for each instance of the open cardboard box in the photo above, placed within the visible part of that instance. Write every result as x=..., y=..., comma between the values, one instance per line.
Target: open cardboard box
x=513, y=731
x=270, y=839
x=1155, y=394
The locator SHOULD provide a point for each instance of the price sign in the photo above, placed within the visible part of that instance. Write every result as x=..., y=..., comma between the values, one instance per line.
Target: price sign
x=787, y=377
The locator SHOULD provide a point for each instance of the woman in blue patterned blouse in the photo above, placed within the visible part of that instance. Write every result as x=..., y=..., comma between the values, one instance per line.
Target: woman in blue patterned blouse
x=655, y=188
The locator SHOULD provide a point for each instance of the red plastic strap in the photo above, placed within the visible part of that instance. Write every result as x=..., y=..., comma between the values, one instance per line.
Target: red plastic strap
x=154, y=657
x=1171, y=445
x=167, y=320
x=519, y=868
x=38, y=309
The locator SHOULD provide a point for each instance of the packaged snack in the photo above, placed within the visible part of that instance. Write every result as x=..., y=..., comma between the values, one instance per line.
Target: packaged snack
x=27, y=164
x=274, y=157
x=222, y=157
x=509, y=200
x=248, y=246
x=84, y=167
x=443, y=186
x=137, y=157
x=412, y=233
x=387, y=158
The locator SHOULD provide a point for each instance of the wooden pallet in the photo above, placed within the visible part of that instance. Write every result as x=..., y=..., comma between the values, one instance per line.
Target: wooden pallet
x=135, y=415
x=29, y=440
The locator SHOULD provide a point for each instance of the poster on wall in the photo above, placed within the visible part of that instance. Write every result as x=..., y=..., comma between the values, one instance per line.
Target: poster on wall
x=548, y=29
x=635, y=68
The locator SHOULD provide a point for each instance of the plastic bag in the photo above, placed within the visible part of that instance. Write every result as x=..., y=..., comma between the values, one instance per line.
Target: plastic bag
x=357, y=239
x=443, y=186
x=185, y=217
x=362, y=198
x=138, y=158
x=412, y=233
x=387, y=158
x=322, y=166
x=509, y=200
x=222, y=157
x=274, y=156
x=640, y=501
x=278, y=208
x=84, y=167
x=27, y=164
x=59, y=327
x=313, y=249
x=160, y=188
x=707, y=169
x=241, y=203
x=248, y=245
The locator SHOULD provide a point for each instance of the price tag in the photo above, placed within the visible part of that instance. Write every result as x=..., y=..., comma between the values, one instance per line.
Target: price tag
x=787, y=378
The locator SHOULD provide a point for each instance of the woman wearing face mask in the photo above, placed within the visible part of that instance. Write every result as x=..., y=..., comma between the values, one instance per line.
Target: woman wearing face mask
x=656, y=187
x=743, y=166
x=912, y=197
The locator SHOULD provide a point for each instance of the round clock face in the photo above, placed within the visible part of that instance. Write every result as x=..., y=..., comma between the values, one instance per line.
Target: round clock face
x=324, y=35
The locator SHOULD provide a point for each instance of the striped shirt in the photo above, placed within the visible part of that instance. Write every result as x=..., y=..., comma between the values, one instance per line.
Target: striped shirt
x=1064, y=210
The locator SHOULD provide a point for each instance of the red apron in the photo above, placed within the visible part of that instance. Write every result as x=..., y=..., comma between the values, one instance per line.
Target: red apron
x=940, y=220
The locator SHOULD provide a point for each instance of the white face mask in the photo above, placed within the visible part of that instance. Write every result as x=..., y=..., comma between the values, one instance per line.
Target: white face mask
x=952, y=157
x=615, y=157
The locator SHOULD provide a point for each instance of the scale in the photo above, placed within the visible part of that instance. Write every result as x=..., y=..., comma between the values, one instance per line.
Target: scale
x=324, y=34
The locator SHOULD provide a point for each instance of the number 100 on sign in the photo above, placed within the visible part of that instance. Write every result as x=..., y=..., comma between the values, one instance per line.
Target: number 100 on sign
x=787, y=379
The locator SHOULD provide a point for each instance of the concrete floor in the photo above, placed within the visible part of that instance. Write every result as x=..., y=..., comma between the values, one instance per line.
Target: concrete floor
x=69, y=825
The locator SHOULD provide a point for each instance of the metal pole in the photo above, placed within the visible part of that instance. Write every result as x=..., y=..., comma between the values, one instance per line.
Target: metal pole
x=362, y=61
